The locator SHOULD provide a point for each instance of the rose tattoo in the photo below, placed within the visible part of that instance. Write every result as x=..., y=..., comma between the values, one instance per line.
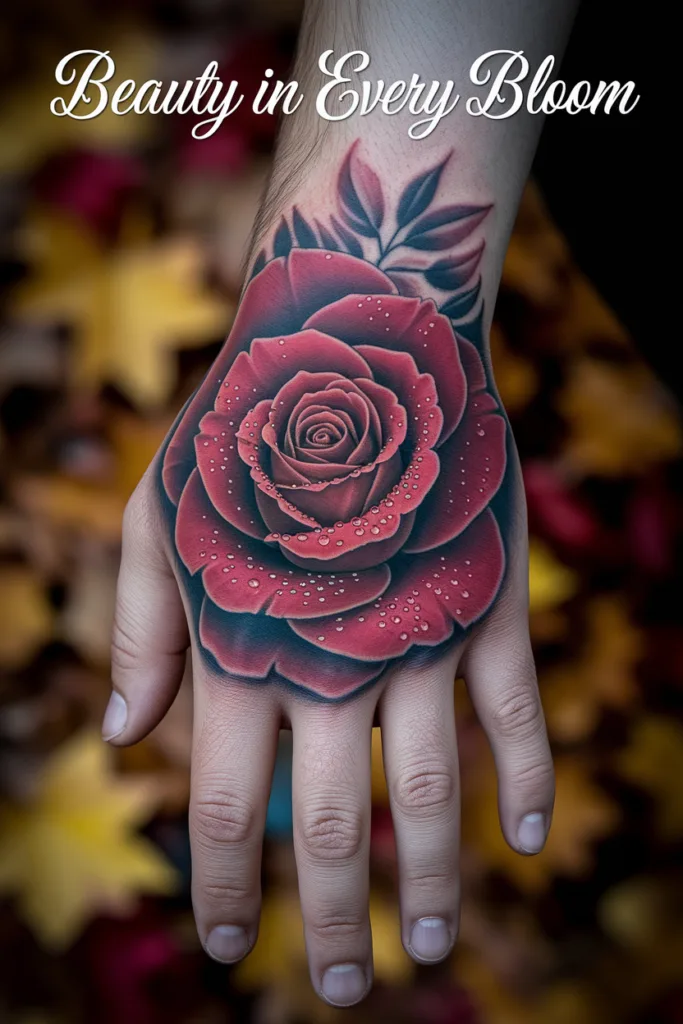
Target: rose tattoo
x=332, y=487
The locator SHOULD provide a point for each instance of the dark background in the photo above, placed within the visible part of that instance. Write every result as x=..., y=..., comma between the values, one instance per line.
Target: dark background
x=612, y=181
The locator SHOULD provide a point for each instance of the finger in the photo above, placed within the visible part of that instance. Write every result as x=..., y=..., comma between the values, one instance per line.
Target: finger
x=331, y=803
x=235, y=739
x=150, y=636
x=501, y=678
x=421, y=765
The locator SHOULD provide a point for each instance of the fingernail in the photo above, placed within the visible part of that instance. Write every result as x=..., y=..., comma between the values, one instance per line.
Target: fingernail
x=430, y=938
x=227, y=943
x=115, y=717
x=531, y=834
x=344, y=984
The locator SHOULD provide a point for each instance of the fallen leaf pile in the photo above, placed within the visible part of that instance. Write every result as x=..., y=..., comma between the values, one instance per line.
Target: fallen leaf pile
x=120, y=248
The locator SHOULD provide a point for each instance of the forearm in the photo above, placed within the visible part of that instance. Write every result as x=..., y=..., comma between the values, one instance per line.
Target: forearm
x=439, y=41
x=343, y=507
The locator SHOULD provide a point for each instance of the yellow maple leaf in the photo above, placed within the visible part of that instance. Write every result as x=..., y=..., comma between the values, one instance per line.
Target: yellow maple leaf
x=128, y=308
x=654, y=762
x=72, y=852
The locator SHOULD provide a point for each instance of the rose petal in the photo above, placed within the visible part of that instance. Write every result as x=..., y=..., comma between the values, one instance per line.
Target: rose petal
x=271, y=362
x=428, y=595
x=381, y=522
x=225, y=476
x=240, y=574
x=349, y=497
x=398, y=372
x=415, y=327
x=291, y=393
x=362, y=558
x=243, y=647
x=255, y=454
x=278, y=516
x=289, y=289
x=473, y=465
x=472, y=365
x=342, y=395
x=337, y=430
x=279, y=299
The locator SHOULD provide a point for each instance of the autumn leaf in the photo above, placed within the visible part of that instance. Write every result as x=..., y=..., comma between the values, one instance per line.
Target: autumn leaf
x=29, y=131
x=550, y=582
x=583, y=815
x=654, y=762
x=602, y=676
x=27, y=618
x=621, y=420
x=72, y=851
x=516, y=377
x=128, y=309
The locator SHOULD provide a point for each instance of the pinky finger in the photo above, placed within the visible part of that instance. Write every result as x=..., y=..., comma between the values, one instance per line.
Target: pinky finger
x=501, y=678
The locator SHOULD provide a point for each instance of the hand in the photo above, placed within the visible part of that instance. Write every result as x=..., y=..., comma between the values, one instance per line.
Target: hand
x=336, y=527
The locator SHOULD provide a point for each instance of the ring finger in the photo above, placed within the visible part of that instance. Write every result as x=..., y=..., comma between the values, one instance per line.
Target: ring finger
x=421, y=765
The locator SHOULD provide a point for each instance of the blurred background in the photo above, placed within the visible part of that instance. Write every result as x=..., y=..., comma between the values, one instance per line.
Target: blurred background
x=120, y=248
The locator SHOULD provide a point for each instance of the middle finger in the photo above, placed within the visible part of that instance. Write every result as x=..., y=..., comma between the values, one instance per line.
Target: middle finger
x=331, y=803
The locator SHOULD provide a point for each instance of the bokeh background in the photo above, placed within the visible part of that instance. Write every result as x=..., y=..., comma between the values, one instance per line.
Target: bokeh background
x=120, y=249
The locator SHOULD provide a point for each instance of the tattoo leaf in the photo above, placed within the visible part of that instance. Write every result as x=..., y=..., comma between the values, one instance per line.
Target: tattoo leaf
x=453, y=272
x=259, y=263
x=360, y=193
x=418, y=194
x=326, y=237
x=462, y=305
x=305, y=235
x=282, y=243
x=349, y=241
x=446, y=227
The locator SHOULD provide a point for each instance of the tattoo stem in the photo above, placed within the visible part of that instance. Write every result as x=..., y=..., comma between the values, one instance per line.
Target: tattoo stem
x=390, y=246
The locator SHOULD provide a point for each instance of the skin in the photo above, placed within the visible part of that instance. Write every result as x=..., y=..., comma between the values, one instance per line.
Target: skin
x=236, y=722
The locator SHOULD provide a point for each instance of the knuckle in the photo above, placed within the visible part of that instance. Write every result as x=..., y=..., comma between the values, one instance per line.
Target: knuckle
x=536, y=777
x=125, y=650
x=442, y=884
x=517, y=715
x=143, y=527
x=424, y=788
x=328, y=924
x=222, y=817
x=221, y=892
x=331, y=833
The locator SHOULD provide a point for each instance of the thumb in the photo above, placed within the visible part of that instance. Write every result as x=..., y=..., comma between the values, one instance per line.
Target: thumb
x=150, y=635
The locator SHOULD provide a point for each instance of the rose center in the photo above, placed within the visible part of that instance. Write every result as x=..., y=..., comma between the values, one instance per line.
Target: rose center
x=323, y=435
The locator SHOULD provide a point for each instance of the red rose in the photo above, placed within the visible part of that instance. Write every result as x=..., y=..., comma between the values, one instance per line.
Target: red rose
x=332, y=504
